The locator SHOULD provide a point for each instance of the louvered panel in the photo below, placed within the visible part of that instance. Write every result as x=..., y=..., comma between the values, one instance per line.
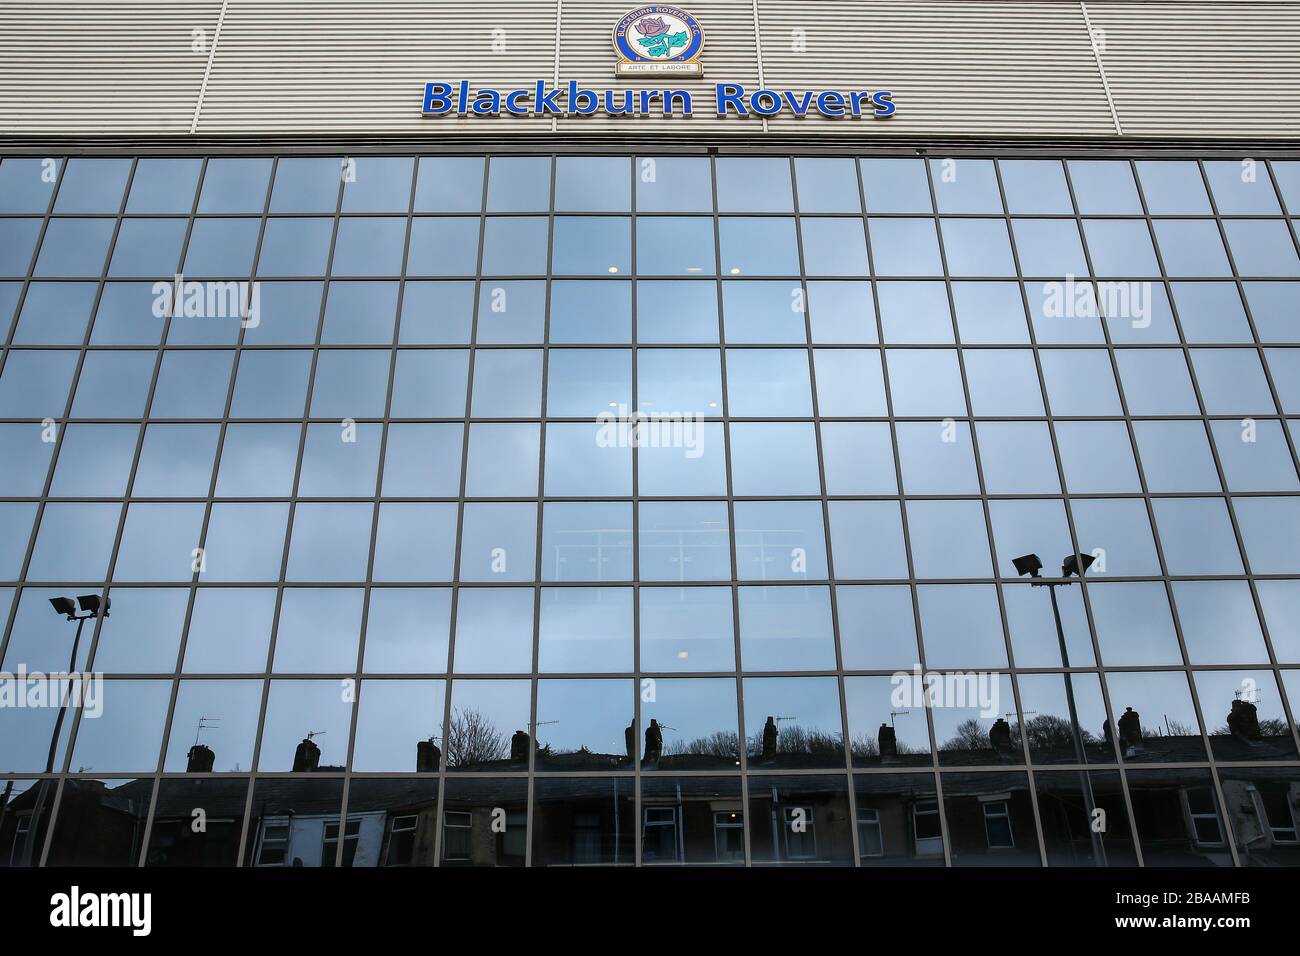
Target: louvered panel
x=106, y=67
x=954, y=67
x=361, y=67
x=1202, y=69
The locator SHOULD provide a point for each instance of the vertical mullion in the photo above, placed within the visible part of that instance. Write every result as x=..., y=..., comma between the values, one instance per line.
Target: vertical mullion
x=902, y=510
x=840, y=689
x=460, y=517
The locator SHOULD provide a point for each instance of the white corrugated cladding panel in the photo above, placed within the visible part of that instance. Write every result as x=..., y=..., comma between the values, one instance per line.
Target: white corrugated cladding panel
x=112, y=66
x=359, y=67
x=964, y=67
x=953, y=66
x=730, y=54
x=1202, y=69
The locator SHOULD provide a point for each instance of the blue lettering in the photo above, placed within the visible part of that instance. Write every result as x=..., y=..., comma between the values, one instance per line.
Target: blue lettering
x=855, y=99
x=581, y=102
x=609, y=103
x=883, y=103
x=682, y=96
x=798, y=104
x=547, y=102
x=765, y=103
x=729, y=95
x=487, y=102
x=513, y=99
x=830, y=103
x=462, y=98
x=437, y=98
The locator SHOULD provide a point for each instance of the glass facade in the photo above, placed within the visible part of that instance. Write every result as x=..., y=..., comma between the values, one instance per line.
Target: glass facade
x=499, y=510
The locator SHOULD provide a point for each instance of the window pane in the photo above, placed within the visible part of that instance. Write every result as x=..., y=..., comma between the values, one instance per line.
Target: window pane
x=449, y=184
x=786, y=628
x=674, y=246
x=1003, y=382
x=1191, y=247
x=833, y=247
x=585, y=629
x=1104, y=187
x=307, y=185
x=780, y=541
x=377, y=184
x=498, y=542
x=235, y=185
x=674, y=184
x=92, y=185
x=763, y=312
x=684, y=541
x=590, y=312
x=1035, y=186
x=427, y=383
x=754, y=185
x=593, y=184
x=494, y=630
x=774, y=458
x=857, y=457
x=687, y=629
x=1017, y=458
x=519, y=184
x=55, y=313
x=877, y=627
x=965, y=185
x=948, y=539
x=961, y=625
x=895, y=185
x=394, y=718
x=593, y=245
x=758, y=246
x=977, y=247
x=685, y=312
x=1049, y=247
x=905, y=247
x=813, y=736
x=1173, y=188
x=937, y=458
x=408, y=630
x=867, y=540
x=1176, y=456
x=925, y=382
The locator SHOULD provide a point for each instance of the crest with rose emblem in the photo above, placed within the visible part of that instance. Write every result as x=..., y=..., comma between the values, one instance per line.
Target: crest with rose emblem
x=656, y=40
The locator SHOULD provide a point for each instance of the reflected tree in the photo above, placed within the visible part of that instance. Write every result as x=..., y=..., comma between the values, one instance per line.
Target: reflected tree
x=472, y=739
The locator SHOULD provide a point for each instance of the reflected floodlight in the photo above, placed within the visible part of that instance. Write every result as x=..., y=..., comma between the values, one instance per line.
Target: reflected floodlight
x=90, y=604
x=64, y=606
x=1028, y=564
x=1076, y=564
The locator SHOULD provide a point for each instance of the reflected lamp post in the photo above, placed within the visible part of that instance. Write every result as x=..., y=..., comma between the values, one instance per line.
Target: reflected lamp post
x=1075, y=565
x=92, y=607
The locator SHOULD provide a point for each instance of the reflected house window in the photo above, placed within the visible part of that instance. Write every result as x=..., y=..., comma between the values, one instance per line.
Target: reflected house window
x=485, y=822
x=800, y=820
x=1177, y=817
x=690, y=820
x=290, y=819
x=584, y=821
x=990, y=819
x=173, y=841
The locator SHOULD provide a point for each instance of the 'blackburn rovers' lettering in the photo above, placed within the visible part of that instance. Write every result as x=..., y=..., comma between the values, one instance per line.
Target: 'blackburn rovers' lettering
x=443, y=99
